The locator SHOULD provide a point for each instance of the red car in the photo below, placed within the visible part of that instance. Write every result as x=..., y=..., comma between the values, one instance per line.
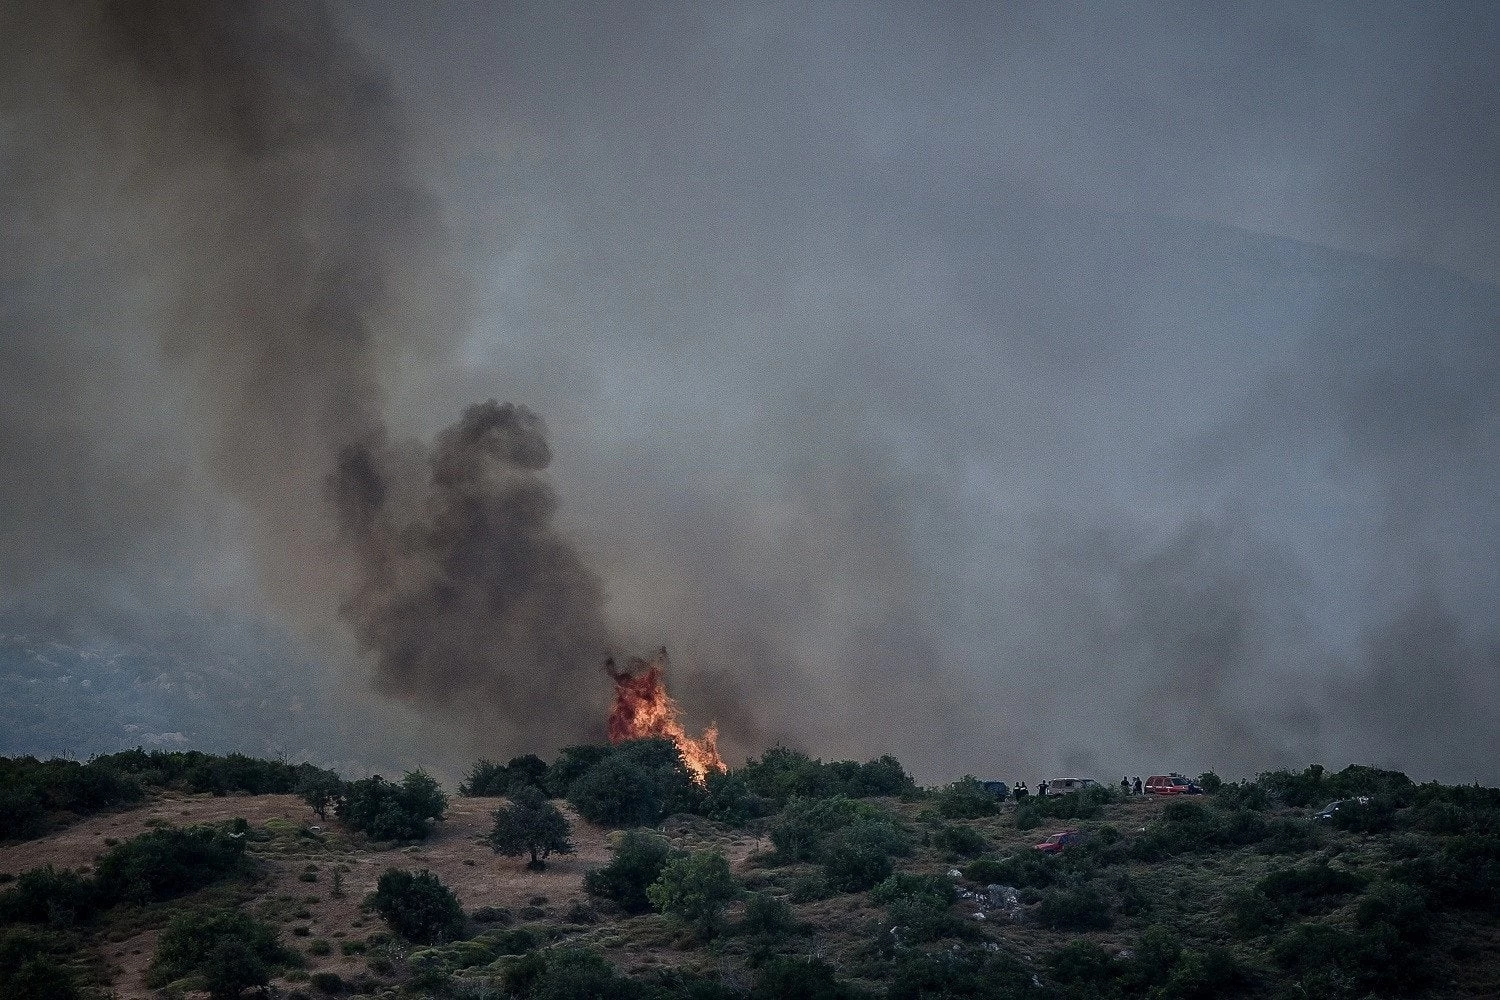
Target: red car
x=1171, y=784
x=1055, y=843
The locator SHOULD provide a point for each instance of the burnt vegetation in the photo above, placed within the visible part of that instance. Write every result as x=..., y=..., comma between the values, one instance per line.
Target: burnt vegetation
x=848, y=881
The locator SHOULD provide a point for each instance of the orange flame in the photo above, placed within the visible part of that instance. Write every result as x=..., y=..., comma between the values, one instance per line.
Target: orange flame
x=643, y=709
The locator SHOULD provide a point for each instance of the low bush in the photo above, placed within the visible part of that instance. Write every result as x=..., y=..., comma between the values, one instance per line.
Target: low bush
x=766, y=915
x=1086, y=803
x=48, y=896
x=728, y=799
x=388, y=810
x=920, y=907
x=160, y=864
x=228, y=950
x=33, y=965
x=916, y=975
x=1078, y=907
x=966, y=798
x=418, y=906
x=639, y=858
x=694, y=890
x=31, y=790
x=1292, y=892
x=568, y=974
x=799, y=979
x=963, y=841
x=1316, y=787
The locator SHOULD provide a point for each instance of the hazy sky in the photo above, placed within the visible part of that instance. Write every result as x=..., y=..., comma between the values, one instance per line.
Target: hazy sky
x=1012, y=388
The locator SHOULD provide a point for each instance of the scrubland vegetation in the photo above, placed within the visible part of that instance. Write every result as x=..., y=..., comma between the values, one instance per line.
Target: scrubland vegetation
x=788, y=877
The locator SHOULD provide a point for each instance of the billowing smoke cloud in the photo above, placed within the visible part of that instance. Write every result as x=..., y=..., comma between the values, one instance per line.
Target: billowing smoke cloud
x=1010, y=390
x=302, y=258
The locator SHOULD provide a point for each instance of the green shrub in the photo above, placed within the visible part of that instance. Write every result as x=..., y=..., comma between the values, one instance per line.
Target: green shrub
x=568, y=974
x=639, y=858
x=1207, y=975
x=161, y=864
x=694, y=889
x=920, y=907
x=1374, y=816
x=31, y=789
x=319, y=946
x=195, y=771
x=964, y=841
x=782, y=774
x=1086, y=803
x=917, y=975
x=638, y=784
x=1024, y=870
x=224, y=946
x=320, y=790
x=728, y=799
x=799, y=979
x=486, y=778
x=571, y=764
x=766, y=915
x=967, y=798
x=859, y=855
x=418, y=906
x=1028, y=816
x=1074, y=908
x=387, y=810
x=1085, y=970
x=1292, y=892
x=330, y=983
x=32, y=965
x=41, y=977
x=800, y=831
x=1315, y=786
x=48, y=896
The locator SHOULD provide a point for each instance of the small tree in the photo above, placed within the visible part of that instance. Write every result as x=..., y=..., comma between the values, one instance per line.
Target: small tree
x=695, y=889
x=320, y=789
x=530, y=823
x=418, y=906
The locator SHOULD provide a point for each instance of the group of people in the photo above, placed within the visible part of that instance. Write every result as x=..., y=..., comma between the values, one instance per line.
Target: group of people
x=1021, y=791
x=1129, y=787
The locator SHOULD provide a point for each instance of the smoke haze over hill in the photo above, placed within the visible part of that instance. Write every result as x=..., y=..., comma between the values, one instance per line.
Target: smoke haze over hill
x=1009, y=393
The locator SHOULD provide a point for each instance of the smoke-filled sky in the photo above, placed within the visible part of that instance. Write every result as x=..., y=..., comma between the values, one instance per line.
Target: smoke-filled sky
x=1008, y=388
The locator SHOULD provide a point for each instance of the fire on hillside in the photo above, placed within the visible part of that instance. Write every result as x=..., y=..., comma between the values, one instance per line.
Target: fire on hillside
x=643, y=709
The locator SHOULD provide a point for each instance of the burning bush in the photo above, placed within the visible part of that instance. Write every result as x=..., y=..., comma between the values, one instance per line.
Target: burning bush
x=644, y=710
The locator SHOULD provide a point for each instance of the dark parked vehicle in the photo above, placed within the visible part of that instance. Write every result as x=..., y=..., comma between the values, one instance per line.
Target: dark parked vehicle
x=999, y=789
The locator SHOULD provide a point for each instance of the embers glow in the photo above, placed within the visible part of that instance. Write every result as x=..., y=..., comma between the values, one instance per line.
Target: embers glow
x=643, y=710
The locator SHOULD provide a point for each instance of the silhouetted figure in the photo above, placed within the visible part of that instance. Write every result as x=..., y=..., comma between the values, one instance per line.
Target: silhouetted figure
x=1042, y=789
x=1021, y=791
x=1125, y=786
x=1138, y=786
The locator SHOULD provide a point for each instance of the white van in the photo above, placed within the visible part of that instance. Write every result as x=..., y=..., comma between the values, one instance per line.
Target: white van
x=1062, y=786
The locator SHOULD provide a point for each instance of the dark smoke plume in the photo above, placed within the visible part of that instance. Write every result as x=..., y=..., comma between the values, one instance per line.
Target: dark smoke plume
x=306, y=262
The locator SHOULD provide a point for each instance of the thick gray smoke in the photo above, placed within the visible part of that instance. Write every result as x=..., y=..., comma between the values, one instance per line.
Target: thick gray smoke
x=1011, y=388
x=302, y=258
